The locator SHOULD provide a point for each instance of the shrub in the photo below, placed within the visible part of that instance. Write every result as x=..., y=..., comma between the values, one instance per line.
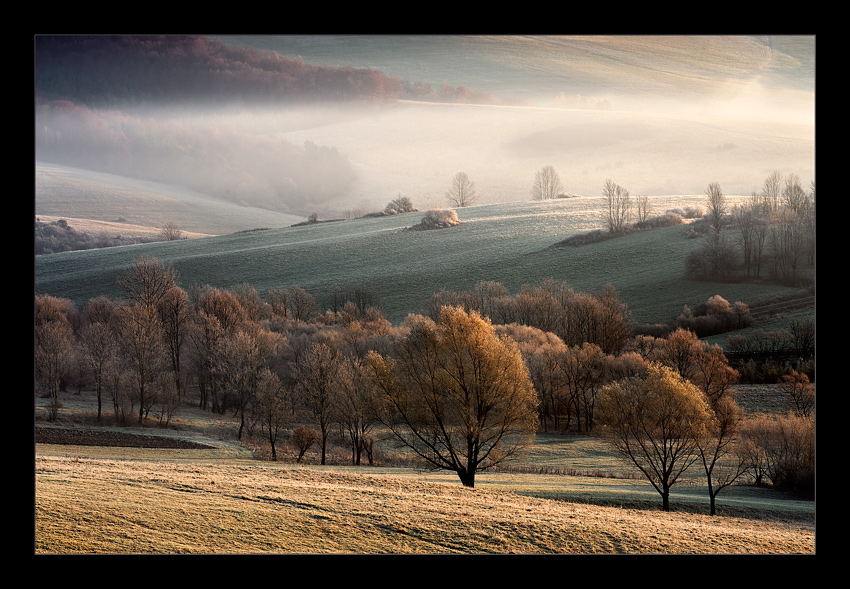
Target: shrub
x=782, y=449
x=438, y=219
x=302, y=439
x=399, y=205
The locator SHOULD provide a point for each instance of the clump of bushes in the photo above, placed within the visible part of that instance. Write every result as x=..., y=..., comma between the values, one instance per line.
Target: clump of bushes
x=437, y=219
x=713, y=317
x=400, y=205
x=59, y=236
x=782, y=451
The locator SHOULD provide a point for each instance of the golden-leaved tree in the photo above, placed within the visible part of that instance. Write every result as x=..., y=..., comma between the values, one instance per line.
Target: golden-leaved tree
x=455, y=393
x=656, y=422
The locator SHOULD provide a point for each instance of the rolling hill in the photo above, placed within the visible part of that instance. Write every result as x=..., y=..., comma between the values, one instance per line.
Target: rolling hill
x=509, y=243
x=68, y=192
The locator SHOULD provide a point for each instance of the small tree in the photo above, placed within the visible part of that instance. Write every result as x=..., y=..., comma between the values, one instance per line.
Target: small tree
x=722, y=462
x=799, y=394
x=716, y=201
x=303, y=438
x=619, y=206
x=781, y=449
x=273, y=407
x=54, y=352
x=142, y=342
x=462, y=191
x=97, y=346
x=655, y=422
x=547, y=184
x=318, y=374
x=171, y=232
x=642, y=208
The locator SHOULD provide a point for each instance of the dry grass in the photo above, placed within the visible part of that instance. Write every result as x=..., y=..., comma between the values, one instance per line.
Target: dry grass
x=101, y=505
x=95, y=500
x=95, y=227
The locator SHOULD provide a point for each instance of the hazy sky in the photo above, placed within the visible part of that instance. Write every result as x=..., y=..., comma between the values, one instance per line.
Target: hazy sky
x=658, y=115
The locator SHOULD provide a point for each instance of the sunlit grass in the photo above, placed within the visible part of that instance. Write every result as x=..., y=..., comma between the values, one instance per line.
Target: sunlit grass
x=139, y=506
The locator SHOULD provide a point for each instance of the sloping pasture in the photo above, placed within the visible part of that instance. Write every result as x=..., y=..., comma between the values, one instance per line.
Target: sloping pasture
x=507, y=243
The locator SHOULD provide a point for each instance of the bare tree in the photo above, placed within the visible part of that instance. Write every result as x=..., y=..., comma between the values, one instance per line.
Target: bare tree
x=581, y=370
x=54, y=347
x=147, y=281
x=97, y=345
x=319, y=374
x=716, y=201
x=273, y=406
x=143, y=348
x=302, y=304
x=618, y=206
x=175, y=314
x=793, y=195
x=642, y=208
x=799, y=394
x=216, y=317
x=171, y=232
x=718, y=449
x=771, y=191
x=455, y=393
x=241, y=359
x=303, y=438
x=547, y=184
x=462, y=191
x=752, y=227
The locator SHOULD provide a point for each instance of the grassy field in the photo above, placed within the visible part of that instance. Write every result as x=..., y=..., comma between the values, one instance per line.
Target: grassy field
x=508, y=243
x=86, y=505
x=571, y=496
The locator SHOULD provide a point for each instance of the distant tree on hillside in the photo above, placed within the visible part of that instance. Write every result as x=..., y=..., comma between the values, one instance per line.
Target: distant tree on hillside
x=462, y=191
x=547, y=184
x=171, y=232
x=618, y=206
x=716, y=201
x=400, y=204
x=642, y=209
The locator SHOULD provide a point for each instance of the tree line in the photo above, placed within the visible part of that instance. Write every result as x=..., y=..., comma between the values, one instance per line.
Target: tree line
x=771, y=235
x=464, y=385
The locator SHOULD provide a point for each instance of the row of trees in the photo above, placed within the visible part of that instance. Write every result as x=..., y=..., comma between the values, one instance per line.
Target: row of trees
x=552, y=306
x=546, y=185
x=460, y=390
x=773, y=231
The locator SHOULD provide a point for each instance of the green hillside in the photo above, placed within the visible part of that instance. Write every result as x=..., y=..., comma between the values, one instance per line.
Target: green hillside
x=508, y=243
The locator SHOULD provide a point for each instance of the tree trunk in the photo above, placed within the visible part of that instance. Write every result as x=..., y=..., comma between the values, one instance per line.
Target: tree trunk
x=467, y=478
